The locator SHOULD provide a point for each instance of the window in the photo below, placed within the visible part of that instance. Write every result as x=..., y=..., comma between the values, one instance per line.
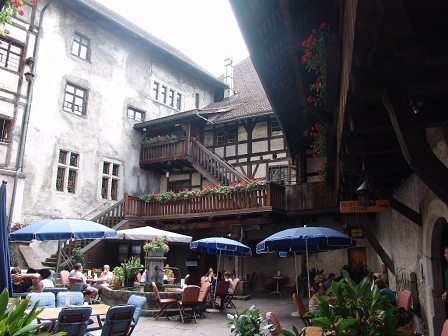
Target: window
x=196, y=100
x=178, y=100
x=171, y=98
x=356, y=233
x=67, y=173
x=135, y=114
x=81, y=46
x=4, y=130
x=123, y=252
x=177, y=186
x=155, y=90
x=10, y=55
x=275, y=127
x=163, y=94
x=228, y=136
x=278, y=174
x=110, y=181
x=75, y=99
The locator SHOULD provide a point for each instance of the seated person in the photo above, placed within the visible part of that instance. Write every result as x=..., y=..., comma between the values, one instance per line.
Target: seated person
x=405, y=323
x=384, y=290
x=106, y=276
x=319, y=289
x=330, y=279
x=76, y=272
x=168, y=274
x=22, y=283
x=45, y=280
x=229, y=279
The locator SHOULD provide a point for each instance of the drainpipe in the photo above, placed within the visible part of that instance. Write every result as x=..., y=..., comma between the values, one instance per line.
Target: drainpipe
x=26, y=118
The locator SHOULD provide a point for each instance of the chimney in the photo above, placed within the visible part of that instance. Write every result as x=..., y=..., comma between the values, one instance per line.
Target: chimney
x=228, y=77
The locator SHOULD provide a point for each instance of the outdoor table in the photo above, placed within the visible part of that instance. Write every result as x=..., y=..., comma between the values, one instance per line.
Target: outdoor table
x=174, y=289
x=52, y=314
x=278, y=279
x=313, y=331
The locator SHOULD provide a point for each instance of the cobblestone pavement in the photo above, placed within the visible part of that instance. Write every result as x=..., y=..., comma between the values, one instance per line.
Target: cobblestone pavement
x=217, y=324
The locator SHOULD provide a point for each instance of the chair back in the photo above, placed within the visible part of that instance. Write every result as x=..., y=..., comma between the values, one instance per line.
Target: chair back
x=271, y=318
x=139, y=277
x=299, y=304
x=236, y=281
x=262, y=277
x=187, y=277
x=139, y=302
x=190, y=295
x=73, y=321
x=445, y=329
x=64, y=274
x=75, y=298
x=404, y=299
x=77, y=287
x=55, y=290
x=45, y=300
x=222, y=288
x=205, y=287
x=73, y=280
x=156, y=291
x=118, y=320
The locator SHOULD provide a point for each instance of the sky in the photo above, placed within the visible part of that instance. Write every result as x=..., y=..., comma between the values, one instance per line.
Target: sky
x=204, y=30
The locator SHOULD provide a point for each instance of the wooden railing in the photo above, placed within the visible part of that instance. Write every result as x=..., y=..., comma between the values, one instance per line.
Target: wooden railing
x=270, y=195
x=309, y=196
x=111, y=216
x=163, y=151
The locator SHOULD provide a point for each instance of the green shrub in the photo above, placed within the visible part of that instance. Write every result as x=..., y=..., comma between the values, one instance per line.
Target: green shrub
x=77, y=255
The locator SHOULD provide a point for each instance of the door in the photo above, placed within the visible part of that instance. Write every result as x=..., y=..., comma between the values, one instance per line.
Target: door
x=356, y=253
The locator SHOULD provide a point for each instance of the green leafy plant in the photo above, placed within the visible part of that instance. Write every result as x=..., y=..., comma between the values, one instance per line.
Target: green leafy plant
x=248, y=323
x=14, y=321
x=118, y=273
x=232, y=188
x=358, y=272
x=77, y=255
x=356, y=309
x=158, y=244
x=10, y=8
x=314, y=59
x=158, y=139
x=131, y=267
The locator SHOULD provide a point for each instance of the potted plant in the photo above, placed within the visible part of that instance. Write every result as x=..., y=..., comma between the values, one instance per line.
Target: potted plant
x=158, y=245
x=356, y=309
x=130, y=269
x=118, y=276
x=248, y=323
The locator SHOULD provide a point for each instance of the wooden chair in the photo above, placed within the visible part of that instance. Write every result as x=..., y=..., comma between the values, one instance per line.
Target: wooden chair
x=163, y=303
x=293, y=288
x=230, y=295
x=445, y=329
x=205, y=287
x=190, y=297
x=117, y=322
x=264, y=284
x=186, y=279
x=63, y=275
x=222, y=289
x=271, y=318
x=251, y=281
x=73, y=321
x=404, y=299
x=301, y=309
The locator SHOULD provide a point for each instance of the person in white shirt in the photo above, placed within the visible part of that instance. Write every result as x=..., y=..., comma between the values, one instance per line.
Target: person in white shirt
x=45, y=280
x=77, y=273
x=106, y=276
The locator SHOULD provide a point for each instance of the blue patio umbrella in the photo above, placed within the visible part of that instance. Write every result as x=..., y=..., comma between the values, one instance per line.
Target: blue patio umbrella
x=305, y=240
x=63, y=229
x=5, y=274
x=221, y=246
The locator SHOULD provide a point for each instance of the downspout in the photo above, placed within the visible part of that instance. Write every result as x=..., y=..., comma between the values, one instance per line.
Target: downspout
x=26, y=116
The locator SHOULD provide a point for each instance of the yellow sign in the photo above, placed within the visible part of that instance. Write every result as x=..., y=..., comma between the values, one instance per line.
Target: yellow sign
x=354, y=207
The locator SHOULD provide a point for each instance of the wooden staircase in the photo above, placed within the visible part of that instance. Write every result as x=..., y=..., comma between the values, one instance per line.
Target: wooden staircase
x=212, y=166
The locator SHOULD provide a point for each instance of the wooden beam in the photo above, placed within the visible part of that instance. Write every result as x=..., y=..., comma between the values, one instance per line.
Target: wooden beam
x=363, y=221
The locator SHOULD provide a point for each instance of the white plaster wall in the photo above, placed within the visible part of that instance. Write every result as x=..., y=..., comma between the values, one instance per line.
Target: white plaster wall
x=260, y=130
x=118, y=75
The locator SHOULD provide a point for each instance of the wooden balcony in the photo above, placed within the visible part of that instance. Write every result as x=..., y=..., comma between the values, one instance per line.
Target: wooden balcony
x=311, y=197
x=266, y=198
x=164, y=151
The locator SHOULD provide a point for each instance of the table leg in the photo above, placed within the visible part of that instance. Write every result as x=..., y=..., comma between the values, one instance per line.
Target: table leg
x=277, y=291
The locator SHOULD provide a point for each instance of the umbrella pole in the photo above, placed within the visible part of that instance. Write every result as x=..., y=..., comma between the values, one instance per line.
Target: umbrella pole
x=58, y=263
x=295, y=268
x=308, y=269
x=213, y=309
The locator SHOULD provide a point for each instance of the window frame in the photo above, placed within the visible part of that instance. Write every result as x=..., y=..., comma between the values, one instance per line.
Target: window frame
x=112, y=178
x=5, y=130
x=134, y=113
x=276, y=128
x=80, y=44
x=84, y=99
x=8, y=54
x=283, y=171
x=178, y=185
x=68, y=170
x=166, y=95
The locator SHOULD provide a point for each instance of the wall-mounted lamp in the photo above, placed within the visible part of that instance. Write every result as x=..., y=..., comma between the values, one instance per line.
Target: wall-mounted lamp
x=228, y=235
x=365, y=189
x=29, y=61
x=29, y=76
